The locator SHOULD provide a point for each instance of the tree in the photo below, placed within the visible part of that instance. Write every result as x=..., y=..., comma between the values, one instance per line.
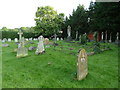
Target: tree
x=48, y=21
x=78, y=21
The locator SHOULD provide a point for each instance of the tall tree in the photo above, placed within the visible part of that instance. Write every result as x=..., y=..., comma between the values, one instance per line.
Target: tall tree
x=48, y=21
x=78, y=21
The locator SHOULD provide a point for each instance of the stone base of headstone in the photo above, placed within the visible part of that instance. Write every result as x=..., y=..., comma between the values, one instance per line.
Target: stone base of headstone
x=22, y=52
x=69, y=39
x=37, y=53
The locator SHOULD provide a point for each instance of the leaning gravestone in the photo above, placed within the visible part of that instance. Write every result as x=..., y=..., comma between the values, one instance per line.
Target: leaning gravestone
x=82, y=67
x=40, y=48
x=22, y=50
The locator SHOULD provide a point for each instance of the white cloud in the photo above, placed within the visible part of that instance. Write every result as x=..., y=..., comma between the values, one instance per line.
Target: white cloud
x=21, y=13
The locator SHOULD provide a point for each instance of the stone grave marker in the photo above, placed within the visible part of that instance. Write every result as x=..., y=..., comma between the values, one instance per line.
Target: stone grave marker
x=82, y=65
x=20, y=34
x=46, y=41
x=69, y=38
x=16, y=40
x=9, y=39
x=57, y=39
x=40, y=48
x=110, y=38
x=61, y=39
x=22, y=50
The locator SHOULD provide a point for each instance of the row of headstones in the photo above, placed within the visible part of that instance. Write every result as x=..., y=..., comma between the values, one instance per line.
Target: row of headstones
x=30, y=39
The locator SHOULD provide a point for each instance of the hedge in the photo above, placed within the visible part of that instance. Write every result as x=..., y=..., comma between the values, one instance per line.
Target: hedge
x=13, y=34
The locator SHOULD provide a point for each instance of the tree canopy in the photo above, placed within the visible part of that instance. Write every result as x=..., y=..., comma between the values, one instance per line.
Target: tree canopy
x=48, y=21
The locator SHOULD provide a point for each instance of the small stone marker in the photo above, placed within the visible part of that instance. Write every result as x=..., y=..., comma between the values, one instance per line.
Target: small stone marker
x=9, y=39
x=46, y=41
x=57, y=39
x=40, y=48
x=16, y=40
x=22, y=50
x=82, y=67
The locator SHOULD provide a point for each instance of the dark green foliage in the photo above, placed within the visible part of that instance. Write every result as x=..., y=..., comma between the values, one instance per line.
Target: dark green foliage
x=78, y=21
x=104, y=16
x=13, y=34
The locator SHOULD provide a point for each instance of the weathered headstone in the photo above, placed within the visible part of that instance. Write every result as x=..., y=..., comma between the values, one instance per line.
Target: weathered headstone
x=40, y=48
x=22, y=50
x=80, y=38
x=16, y=40
x=26, y=39
x=9, y=39
x=82, y=65
x=69, y=38
x=46, y=41
x=55, y=38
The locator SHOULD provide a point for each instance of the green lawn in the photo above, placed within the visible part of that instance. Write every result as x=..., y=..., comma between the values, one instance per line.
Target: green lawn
x=34, y=71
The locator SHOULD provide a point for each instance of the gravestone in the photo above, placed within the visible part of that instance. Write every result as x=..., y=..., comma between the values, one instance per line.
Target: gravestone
x=4, y=40
x=69, y=38
x=61, y=39
x=22, y=50
x=76, y=35
x=20, y=34
x=102, y=37
x=110, y=38
x=26, y=39
x=82, y=66
x=16, y=40
x=117, y=41
x=30, y=39
x=40, y=48
x=57, y=39
x=80, y=38
x=46, y=41
x=9, y=39
x=106, y=37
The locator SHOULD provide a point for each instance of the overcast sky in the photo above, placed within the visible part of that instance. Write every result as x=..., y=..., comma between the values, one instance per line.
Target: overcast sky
x=21, y=13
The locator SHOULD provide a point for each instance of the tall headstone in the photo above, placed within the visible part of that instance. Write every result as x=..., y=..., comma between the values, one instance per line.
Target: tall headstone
x=80, y=38
x=20, y=34
x=117, y=41
x=69, y=38
x=55, y=38
x=102, y=36
x=22, y=50
x=110, y=38
x=106, y=37
x=82, y=65
x=40, y=48
x=76, y=35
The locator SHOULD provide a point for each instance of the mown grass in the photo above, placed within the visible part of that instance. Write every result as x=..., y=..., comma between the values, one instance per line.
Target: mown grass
x=56, y=68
